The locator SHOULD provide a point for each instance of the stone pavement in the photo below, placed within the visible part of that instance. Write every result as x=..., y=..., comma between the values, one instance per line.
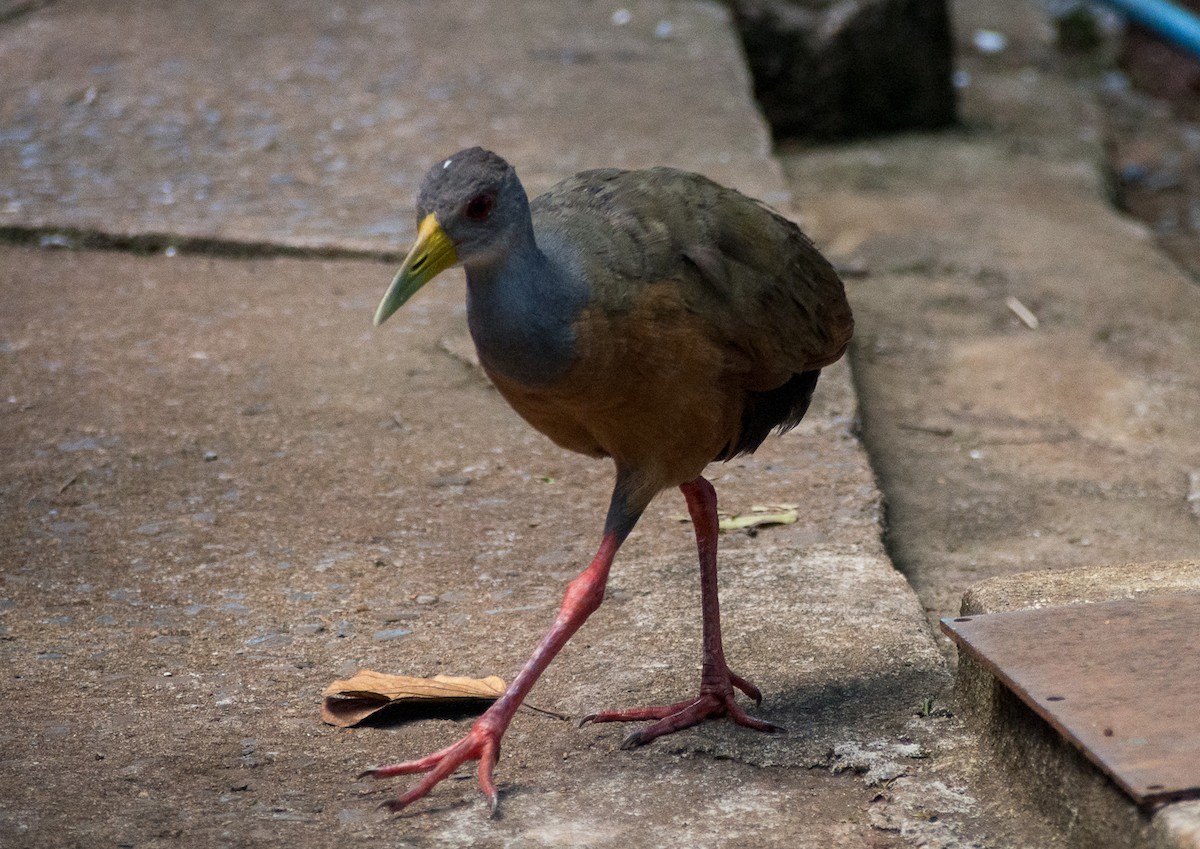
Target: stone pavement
x=296, y=123
x=226, y=489
x=223, y=489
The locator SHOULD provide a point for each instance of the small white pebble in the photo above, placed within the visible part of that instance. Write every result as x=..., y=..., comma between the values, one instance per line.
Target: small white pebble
x=989, y=41
x=621, y=17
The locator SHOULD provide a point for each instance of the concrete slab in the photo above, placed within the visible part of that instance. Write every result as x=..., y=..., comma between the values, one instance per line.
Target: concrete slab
x=1004, y=447
x=1086, y=585
x=1115, y=678
x=223, y=488
x=1061, y=781
x=309, y=124
x=228, y=488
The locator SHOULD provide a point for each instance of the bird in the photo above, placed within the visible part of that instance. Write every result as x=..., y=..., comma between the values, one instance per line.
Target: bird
x=653, y=317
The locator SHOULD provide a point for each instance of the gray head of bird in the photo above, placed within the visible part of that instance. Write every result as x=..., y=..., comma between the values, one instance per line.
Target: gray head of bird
x=471, y=211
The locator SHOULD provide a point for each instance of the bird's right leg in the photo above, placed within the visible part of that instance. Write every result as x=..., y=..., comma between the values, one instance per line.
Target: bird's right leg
x=482, y=742
x=717, y=680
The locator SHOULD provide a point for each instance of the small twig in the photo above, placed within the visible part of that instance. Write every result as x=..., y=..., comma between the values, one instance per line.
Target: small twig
x=550, y=713
x=1022, y=312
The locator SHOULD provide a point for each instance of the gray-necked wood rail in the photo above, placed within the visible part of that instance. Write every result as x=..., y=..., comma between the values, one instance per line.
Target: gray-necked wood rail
x=653, y=317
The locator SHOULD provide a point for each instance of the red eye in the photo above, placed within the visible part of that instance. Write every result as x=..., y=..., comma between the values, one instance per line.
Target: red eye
x=479, y=207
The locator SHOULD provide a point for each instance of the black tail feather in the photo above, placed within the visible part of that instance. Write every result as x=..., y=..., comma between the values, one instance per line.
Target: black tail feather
x=781, y=408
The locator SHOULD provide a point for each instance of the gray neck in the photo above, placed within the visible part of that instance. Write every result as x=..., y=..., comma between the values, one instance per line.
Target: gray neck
x=520, y=310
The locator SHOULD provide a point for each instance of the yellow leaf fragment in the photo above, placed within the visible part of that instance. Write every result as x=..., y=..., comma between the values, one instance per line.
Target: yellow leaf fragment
x=755, y=520
x=348, y=702
x=759, y=515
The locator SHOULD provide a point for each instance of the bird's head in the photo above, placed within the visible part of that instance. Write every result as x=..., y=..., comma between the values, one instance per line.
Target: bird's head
x=470, y=210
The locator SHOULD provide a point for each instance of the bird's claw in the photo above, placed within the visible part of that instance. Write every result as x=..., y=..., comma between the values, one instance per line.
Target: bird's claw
x=713, y=702
x=632, y=741
x=481, y=744
x=746, y=687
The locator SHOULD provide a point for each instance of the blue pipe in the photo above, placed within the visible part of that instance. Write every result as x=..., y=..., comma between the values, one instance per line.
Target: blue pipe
x=1172, y=22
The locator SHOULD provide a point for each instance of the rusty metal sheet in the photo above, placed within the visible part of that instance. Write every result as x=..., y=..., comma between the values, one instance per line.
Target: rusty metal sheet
x=1120, y=680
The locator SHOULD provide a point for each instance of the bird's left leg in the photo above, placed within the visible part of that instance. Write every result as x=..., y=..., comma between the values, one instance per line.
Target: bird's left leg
x=482, y=742
x=717, y=682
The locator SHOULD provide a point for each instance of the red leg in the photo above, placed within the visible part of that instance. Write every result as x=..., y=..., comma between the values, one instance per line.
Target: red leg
x=717, y=682
x=482, y=742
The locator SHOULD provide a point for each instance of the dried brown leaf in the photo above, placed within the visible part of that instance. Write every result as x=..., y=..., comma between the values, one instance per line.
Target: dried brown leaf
x=348, y=702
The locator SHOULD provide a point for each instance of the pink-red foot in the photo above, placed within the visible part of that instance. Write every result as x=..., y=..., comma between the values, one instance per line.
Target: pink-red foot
x=713, y=701
x=481, y=744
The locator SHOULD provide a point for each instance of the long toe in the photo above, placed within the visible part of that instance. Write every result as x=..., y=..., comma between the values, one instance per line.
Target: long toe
x=746, y=687
x=742, y=718
x=672, y=718
x=479, y=744
x=635, y=714
x=707, y=706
